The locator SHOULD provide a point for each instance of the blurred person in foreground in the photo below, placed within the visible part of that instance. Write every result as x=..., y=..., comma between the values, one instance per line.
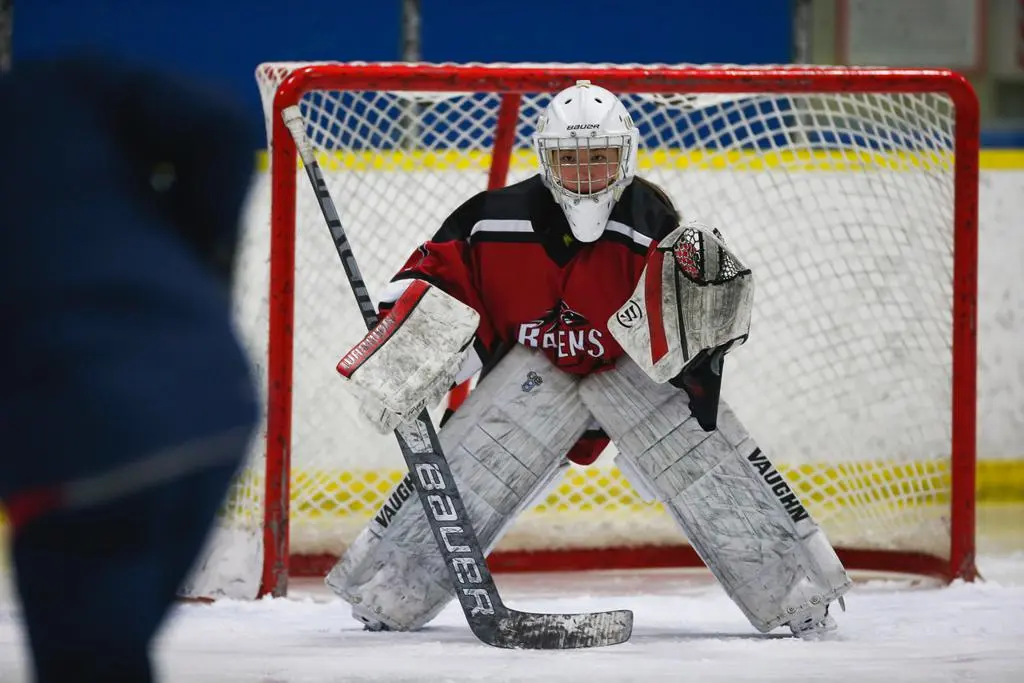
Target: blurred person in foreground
x=127, y=401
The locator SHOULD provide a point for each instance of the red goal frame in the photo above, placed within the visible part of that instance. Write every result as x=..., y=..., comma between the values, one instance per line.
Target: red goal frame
x=514, y=80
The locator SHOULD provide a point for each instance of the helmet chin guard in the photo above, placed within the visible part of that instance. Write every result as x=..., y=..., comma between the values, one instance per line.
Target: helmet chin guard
x=587, y=215
x=582, y=123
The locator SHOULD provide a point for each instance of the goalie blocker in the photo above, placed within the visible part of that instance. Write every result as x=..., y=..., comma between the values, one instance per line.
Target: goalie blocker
x=395, y=381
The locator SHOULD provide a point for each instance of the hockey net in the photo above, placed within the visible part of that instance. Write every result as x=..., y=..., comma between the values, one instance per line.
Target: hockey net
x=851, y=193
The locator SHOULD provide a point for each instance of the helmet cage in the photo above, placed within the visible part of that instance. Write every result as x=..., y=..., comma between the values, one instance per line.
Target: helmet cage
x=577, y=121
x=581, y=169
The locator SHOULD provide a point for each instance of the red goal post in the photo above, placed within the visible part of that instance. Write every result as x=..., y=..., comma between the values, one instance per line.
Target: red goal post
x=873, y=161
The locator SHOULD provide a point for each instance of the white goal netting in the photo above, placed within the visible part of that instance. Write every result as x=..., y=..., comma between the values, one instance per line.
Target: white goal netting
x=841, y=201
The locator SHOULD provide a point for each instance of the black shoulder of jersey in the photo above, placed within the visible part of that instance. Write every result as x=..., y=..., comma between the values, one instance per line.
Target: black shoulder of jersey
x=524, y=200
x=518, y=201
x=646, y=208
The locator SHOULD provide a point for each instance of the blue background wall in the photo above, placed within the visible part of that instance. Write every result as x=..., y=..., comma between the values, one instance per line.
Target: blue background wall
x=222, y=41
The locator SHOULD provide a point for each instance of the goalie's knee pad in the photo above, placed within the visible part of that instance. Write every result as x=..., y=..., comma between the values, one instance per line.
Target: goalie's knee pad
x=735, y=508
x=506, y=444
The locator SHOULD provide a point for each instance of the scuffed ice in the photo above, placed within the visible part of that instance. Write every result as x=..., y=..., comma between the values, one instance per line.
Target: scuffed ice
x=685, y=630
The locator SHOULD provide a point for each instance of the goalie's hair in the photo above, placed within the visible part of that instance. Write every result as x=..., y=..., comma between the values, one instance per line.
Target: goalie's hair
x=661, y=194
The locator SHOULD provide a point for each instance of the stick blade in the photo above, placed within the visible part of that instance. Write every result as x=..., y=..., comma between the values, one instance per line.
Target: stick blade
x=529, y=631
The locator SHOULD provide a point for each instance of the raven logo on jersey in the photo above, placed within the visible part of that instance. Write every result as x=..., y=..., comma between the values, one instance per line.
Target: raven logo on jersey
x=564, y=331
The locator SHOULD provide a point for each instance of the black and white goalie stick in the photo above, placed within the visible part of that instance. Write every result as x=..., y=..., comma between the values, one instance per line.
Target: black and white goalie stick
x=489, y=619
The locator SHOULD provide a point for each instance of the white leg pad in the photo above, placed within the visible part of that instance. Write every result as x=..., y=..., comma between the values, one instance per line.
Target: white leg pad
x=506, y=445
x=734, y=507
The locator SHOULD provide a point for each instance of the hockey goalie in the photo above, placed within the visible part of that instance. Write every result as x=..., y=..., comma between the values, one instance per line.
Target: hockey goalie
x=592, y=312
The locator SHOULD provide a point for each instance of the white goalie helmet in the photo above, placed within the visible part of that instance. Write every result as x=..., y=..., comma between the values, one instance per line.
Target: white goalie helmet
x=587, y=146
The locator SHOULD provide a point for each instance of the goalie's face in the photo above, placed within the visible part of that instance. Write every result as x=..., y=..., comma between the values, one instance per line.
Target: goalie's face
x=585, y=171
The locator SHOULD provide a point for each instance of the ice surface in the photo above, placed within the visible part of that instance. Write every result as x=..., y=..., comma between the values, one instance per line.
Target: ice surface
x=686, y=630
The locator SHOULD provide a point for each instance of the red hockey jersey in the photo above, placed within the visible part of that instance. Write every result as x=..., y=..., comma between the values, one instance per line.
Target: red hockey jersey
x=509, y=253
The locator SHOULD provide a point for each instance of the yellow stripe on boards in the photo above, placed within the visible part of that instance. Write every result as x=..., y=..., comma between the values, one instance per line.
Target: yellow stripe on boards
x=825, y=486
x=649, y=160
x=323, y=494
